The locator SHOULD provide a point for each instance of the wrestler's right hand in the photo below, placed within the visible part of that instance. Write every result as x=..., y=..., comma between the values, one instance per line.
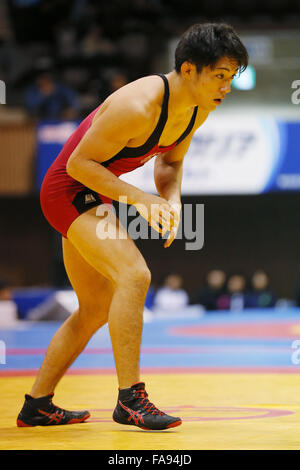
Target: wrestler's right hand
x=157, y=211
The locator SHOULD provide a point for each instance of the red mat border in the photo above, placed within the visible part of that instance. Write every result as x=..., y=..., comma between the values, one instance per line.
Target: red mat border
x=165, y=370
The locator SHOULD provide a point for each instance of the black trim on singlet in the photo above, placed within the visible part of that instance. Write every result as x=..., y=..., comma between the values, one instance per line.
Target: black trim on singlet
x=152, y=141
x=189, y=127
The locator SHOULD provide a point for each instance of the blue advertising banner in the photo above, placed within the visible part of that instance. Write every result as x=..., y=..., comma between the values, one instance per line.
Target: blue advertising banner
x=234, y=154
x=287, y=176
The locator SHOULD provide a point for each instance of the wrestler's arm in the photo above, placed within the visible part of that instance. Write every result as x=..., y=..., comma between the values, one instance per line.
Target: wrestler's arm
x=168, y=171
x=116, y=124
x=168, y=175
x=109, y=133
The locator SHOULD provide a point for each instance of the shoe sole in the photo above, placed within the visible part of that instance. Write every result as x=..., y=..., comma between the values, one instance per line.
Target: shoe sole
x=21, y=423
x=172, y=425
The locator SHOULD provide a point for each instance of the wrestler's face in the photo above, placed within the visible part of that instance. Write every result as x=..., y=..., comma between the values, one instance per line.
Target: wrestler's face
x=210, y=87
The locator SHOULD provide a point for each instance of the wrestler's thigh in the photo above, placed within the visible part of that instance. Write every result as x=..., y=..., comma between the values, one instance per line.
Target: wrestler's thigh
x=105, y=245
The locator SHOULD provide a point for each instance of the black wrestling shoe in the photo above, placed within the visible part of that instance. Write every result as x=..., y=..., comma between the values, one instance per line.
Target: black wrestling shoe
x=135, y=409
x=42, y=412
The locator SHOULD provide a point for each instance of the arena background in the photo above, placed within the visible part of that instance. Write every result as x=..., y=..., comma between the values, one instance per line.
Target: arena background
x=93, y=48
x=87, y=44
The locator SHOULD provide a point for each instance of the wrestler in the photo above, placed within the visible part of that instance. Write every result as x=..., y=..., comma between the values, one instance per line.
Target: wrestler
x=154, y=116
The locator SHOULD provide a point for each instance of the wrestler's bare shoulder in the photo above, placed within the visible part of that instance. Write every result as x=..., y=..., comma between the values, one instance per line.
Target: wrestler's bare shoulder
x=141, y=99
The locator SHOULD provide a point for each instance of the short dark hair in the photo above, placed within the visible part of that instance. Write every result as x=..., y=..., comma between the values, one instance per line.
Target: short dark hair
x=205, y=44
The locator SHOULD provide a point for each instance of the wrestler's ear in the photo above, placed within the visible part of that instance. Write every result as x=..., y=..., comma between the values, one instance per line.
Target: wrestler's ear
x=188, y=70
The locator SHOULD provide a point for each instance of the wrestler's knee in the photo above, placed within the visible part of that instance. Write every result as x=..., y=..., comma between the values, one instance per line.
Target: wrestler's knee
x=134, y=275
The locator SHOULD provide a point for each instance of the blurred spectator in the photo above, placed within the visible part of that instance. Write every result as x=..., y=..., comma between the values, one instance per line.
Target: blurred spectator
x=260, y=295
x=49, y=99
x=235, y=295
x=214, y=287
x=5, y=291
x=236, y=290
x=66, y=41
x=8, y=307
x=95, y=44
x=171, y=296
x=117, y=79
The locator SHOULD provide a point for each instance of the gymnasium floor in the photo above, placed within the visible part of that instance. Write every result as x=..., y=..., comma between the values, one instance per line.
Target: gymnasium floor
x=234, y=379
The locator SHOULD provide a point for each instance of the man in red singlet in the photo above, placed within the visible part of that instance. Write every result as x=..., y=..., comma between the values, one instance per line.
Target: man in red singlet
x=153, y=116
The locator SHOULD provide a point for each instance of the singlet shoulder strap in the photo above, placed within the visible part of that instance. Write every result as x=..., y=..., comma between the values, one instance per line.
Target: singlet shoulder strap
x=164, y=109
x=153, y=140
x=155, y=136
x=190, y=126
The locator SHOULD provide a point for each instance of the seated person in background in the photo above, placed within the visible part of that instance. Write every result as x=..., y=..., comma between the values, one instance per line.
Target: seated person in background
x=8, y=308
x=171, y=296
x=116, y=79
x=214, y=287
x=95, y=44
x=261, y=295
x=49, y=99
x=5, y=291
x=235, y=297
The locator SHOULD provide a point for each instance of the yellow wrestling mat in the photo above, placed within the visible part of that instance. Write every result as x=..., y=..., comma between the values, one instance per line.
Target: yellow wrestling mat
x=219, y=412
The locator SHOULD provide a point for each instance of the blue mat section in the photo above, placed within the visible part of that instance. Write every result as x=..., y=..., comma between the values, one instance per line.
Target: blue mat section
x=161, y=347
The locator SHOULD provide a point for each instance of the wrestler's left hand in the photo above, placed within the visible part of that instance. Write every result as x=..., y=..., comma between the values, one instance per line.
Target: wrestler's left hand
x=176, y=209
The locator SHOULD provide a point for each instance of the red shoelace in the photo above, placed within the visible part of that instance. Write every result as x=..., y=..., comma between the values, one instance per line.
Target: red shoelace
x=147, y=405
